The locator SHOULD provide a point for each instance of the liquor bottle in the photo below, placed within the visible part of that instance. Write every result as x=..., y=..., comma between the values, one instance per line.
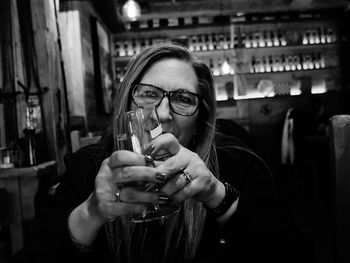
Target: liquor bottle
x=216, y=69
x=226, y=42
x=247, y=41
x=257, y=65
x=190, y=44
x=221, y=42
x=214, y=40
x=231, y=41
x=276, y=41
x=330, y=38
x=211, y=66
x=225, y=67
x=281, y=65
x=205, y=41
x=255, y=39
x=267, y=64
x=268, y=39
x=270, y=63
x=30, y=148
x=312, y=37
x=275, y=63
x=129, y=50
x=293, y=62
x=210, y=42
x=321, y=59
x=261, y=42
x=252, y=65
x=306, y=38
x=315, y=61
x=317, y=36
x=122, y=50
x=322, y=35
x=117, y=49
x=283, y=39
x=299, y=62
x=138, y=46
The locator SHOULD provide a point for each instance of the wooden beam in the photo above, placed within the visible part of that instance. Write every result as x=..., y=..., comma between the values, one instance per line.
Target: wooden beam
x=206, y=7
x=340, y=156
x=50, y=76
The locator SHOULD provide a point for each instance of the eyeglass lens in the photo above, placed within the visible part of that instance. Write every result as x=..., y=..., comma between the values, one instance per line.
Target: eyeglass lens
x=181, y=101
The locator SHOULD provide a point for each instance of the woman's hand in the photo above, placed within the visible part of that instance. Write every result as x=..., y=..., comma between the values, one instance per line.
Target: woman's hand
x=204, y=186
x=122, y=172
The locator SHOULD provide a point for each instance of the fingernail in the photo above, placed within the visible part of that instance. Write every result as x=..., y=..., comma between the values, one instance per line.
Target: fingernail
x=149, y=149
x=149, y=161
x=161, y=176
x=163, y=198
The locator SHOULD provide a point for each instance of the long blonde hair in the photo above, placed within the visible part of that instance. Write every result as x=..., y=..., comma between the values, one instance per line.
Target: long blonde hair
x=188, y=224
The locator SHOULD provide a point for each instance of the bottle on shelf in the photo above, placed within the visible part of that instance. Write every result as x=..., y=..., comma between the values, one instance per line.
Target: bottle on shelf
x=268, y=40
x=129, y=49
x=122, y=50
x=205, y=41
x=252, y=65
x=322, y=35
x=214, y=41
x=254, y=37
x=283, y=39
x=211, y=66
x=330, y=36
x=210, y=42
x=276, y=41
x=220, y=44
x=298, y=60
x=268, y=64
x=216, y=69
x=275, y=64
x=247, y=41
x=317, y=36
x=225, y=67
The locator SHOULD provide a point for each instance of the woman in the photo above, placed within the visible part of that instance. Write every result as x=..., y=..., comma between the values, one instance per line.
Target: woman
x=224, y=188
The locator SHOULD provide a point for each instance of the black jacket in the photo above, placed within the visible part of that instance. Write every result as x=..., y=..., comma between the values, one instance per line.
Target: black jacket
x=258, y=231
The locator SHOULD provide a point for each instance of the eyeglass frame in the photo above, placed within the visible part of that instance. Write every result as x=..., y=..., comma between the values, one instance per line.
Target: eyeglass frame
x=167, y=94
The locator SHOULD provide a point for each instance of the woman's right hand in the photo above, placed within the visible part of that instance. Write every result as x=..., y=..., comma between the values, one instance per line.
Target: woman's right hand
x=122, y=168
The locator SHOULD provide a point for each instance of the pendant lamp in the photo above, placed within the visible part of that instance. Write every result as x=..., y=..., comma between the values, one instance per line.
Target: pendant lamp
x=131, y=10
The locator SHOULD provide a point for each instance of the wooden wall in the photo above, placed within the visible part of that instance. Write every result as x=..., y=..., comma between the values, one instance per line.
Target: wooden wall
x=83, y=98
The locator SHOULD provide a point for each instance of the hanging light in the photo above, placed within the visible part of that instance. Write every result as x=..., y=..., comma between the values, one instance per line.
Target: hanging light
x=131, y=10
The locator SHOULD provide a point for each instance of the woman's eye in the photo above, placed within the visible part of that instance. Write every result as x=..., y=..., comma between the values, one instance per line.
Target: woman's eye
x=184, y=99
x=149, y=94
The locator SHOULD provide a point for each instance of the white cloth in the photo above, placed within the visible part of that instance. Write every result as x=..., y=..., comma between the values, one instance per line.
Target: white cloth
x=287, y=145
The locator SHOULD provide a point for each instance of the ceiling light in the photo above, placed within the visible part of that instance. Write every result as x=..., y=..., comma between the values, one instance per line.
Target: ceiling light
x=131, y=10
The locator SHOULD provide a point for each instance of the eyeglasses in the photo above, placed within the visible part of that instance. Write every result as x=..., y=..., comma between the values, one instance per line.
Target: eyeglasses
x=181, y=101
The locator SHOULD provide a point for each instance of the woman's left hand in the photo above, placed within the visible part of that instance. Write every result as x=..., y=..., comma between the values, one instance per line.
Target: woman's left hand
x=200, y=183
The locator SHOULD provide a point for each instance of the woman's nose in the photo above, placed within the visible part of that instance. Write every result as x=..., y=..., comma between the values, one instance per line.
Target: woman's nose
x=163, y=110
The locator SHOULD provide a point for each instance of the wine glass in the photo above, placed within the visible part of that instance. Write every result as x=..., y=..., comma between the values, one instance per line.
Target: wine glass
x=133, y=131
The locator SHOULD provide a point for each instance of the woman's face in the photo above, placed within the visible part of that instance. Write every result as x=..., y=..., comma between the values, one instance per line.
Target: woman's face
x=171, y=75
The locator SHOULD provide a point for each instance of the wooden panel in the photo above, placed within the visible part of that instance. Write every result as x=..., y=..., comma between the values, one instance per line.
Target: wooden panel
x=50, y=76
x=340, y=156
x=72, y=55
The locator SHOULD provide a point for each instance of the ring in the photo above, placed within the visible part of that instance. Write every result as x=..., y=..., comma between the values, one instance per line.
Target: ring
x=117, y=196
x=187, y=176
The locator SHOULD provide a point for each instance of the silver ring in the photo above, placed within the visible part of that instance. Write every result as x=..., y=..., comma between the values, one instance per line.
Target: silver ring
x=117, y=196
x=187, y=176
